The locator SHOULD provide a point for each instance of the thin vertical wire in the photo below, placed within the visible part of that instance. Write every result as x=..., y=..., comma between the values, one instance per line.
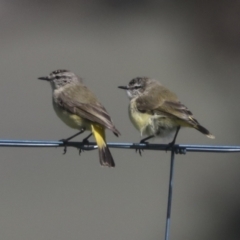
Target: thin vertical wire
x=169, y=202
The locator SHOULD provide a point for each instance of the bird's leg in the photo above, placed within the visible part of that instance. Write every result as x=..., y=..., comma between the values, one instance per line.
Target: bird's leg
x=85, y=142
x=171, y=144
x=67, y=139
x=143, y=141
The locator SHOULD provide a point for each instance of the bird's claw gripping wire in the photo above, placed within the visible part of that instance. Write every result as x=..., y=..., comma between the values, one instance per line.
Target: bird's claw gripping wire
x=67, y=140
x=85, y=142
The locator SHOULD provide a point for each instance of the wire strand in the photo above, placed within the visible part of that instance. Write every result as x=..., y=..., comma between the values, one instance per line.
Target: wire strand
x=178, y=148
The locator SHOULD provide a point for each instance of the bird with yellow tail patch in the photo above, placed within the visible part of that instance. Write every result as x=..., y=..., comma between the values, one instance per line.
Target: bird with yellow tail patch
x=78, y=107
x=156, y=111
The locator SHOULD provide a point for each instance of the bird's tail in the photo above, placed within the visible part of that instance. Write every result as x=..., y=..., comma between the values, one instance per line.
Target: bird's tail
x=204, y=131
x=105, y=155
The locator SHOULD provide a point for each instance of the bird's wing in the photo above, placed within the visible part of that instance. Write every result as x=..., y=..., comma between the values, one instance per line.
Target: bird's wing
x=84, y=104
x=163, y=102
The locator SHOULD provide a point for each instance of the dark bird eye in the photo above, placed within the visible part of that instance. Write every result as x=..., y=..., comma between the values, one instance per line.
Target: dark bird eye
x=137, y=87
x=132, y=82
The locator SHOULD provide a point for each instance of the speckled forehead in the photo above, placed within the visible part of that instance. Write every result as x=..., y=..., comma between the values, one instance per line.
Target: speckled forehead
x=59, y=71
x=134, y=81
x=138, y=81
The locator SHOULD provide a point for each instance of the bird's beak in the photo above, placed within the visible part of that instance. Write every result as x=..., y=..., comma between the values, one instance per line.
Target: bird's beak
x=44, y=78
x=123, y=87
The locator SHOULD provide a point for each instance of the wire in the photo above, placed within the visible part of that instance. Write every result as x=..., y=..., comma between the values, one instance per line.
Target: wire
x=169, y=201
x=176, y=149
x=180, y=149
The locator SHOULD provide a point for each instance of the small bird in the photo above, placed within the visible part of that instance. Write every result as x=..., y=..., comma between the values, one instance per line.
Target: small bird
x=78, y=107
x=156, y=111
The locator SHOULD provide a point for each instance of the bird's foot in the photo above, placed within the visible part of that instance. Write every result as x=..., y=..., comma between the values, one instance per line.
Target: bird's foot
x=65, y=145
x=170, y=146
x=84, y=142
x=138, y=150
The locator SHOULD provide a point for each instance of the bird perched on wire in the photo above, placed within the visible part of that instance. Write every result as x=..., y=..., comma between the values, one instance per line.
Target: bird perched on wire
x=156, y=111
x=78, y=107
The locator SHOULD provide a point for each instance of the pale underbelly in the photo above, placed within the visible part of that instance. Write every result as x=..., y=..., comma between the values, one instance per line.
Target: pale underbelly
x=157, y=125
x=72, y=120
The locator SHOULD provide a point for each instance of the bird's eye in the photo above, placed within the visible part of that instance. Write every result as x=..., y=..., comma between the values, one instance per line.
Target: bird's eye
x=137, y=87
x=57, y=77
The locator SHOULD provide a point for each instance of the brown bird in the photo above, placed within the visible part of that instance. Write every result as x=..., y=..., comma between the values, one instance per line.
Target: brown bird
x=78, y=107
x=156, y=111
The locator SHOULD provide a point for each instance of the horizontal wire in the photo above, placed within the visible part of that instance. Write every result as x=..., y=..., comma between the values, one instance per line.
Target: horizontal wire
x=178, y=149
x=181, y=148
